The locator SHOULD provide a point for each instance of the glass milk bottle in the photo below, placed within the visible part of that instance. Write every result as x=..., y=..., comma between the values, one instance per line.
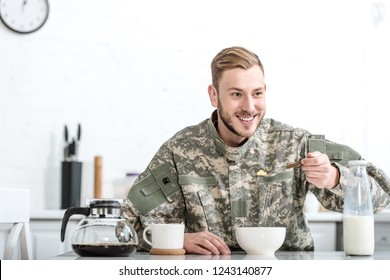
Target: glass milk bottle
x=358, y=217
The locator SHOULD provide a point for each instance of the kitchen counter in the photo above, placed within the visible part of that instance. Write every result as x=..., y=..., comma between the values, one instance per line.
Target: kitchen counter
x=46, y=214
x=311, y=216
x=238, y=255
x=326, y=228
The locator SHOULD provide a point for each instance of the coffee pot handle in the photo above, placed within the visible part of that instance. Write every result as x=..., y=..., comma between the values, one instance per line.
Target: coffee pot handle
x=145, y=236
x=69, y=212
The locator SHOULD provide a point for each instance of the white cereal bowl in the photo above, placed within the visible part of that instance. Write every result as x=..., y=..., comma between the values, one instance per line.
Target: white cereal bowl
x=260, y=240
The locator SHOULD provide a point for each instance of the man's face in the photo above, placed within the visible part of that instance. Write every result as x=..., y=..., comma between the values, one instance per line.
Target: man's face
x=240, y=101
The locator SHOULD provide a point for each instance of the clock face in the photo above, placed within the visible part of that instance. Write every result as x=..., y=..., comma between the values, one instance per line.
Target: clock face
x=24, y=16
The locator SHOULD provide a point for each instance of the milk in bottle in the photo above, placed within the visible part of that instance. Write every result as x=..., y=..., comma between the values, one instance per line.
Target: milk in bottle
x=358, y=218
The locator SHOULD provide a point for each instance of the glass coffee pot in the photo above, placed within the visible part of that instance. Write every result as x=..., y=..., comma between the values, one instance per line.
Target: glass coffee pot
x=104, y=231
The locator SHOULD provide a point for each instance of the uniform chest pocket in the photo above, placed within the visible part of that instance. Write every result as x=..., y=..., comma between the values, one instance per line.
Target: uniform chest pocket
x=204, y=203
x=276, y=198
x=198, y=192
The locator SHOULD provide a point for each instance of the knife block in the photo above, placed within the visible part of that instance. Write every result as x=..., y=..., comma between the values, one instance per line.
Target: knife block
x=70, y=184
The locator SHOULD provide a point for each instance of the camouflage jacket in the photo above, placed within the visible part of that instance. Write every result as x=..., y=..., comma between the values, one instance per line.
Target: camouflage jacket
x=196, y=179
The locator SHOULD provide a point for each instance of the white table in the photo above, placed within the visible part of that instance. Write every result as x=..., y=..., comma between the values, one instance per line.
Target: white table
x=238, y=255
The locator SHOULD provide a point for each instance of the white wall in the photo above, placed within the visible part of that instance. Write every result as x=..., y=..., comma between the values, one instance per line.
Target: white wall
x=135, y=72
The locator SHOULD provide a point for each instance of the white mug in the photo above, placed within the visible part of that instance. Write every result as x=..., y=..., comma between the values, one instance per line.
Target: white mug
x=165, y=236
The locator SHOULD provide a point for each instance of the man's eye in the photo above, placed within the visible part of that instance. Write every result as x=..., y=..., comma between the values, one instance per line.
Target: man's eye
x=236, y=94
x=258, y=93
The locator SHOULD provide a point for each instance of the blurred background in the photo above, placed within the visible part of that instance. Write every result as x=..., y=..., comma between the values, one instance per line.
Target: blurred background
x=133, y=73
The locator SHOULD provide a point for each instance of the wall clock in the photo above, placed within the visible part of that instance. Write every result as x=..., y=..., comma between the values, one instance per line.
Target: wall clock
x=24, y=16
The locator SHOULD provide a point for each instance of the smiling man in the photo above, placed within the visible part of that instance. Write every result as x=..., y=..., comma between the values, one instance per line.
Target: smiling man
x=207, y=176
x=240, y=99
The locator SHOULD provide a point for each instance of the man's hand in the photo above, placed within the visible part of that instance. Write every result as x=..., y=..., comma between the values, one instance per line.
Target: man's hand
x=205, y=243
x=319, y=171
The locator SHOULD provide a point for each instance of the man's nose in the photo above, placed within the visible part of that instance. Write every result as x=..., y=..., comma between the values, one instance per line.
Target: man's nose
x=248, y=104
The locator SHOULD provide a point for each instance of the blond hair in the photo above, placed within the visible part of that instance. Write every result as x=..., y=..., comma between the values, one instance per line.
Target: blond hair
x=230, y=58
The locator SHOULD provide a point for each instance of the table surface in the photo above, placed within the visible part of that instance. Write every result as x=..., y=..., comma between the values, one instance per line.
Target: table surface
x=238, y=255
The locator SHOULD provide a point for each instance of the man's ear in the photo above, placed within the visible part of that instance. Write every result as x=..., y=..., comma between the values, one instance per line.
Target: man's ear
x=213, y=96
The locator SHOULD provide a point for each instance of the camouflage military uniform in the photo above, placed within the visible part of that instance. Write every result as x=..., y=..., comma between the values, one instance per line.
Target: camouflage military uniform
x=194, y=178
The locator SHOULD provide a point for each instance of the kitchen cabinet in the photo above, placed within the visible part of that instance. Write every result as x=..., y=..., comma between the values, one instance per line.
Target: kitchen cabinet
x=45, y=229
x=382, y=236
x=323, y=227
x=45, y=238
x=324, y=235
x=326, y=228
x=381, y=228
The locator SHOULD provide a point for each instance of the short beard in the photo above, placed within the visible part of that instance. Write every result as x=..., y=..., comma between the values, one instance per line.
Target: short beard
x=226, y=122
x=225, y=119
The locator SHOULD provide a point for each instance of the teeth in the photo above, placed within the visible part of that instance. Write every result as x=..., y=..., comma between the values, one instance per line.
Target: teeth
x=246, y=119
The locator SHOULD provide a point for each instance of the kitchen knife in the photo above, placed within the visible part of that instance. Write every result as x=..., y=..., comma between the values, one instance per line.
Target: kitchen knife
x=76, y=152
x=66, y=148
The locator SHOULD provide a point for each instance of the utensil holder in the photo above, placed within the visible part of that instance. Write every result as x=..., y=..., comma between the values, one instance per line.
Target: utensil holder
x=70, y=184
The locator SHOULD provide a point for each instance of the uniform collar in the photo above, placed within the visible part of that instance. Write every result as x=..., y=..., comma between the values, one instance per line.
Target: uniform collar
x=231, y=153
